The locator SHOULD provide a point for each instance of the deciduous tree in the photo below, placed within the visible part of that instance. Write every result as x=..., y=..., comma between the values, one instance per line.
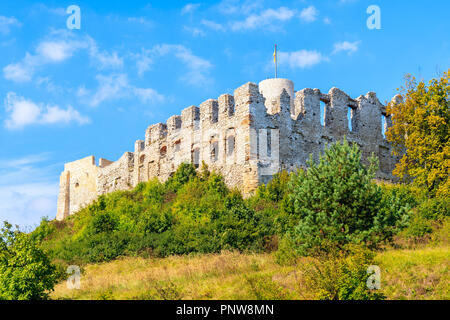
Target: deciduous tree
x=420, y=133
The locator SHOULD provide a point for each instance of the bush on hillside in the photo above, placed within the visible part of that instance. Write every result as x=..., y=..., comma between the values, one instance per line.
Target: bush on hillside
x=340, y=275
x=191, y=212
x=26, y=272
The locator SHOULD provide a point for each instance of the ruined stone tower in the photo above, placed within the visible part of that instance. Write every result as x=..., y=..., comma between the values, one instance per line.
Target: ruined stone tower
x=247, y=137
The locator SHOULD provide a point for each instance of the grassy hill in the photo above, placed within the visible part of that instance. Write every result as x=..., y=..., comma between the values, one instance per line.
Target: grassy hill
x=306, y=235
x=405, y=274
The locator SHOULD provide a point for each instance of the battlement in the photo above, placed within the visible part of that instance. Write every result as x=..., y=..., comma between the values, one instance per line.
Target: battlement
x=247, y=137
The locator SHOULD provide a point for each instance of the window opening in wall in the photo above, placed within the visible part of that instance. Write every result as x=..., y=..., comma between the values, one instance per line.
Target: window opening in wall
x=322, y=113
x=163, y=151
x=383, y=126
x=350, y=118
x=142, y=159
x=230, y=145
x=214, y=151
x=231, y=110
x=177, y=146
x=196, y=157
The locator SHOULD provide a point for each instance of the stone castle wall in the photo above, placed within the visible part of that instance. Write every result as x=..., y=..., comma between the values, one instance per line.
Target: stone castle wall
x=247, y=137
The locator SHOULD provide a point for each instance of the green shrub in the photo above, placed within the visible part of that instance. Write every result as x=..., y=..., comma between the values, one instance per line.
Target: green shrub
x=276, y=189
x=286, y=254
x=25, y=270
x=398, y=201
x=189, y=213
x=441, y=233
x=435, y=208
x=418, y=227
x=262, y=287
x=103, y=222
x=184, y=173
x=340, y=275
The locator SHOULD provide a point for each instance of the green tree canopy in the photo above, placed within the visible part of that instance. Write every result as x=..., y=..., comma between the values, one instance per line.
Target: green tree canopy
x=336, y=200
x=25, y=271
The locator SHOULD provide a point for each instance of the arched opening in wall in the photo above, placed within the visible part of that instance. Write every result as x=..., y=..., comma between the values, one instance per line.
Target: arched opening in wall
x=322, y=113
x=177, y=146
x=383, y=126
x=214, y=150
x=141, y=159
x=230, y=145
x=195, y=157
x=350, y=118
x=163, y=151
x=77, y=185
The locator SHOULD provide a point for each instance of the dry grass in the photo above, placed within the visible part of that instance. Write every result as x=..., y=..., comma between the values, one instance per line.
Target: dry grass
x=416, y=274
x=406, y=274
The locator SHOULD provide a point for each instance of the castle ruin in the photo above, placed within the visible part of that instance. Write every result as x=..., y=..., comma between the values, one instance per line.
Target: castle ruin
x=247, y=137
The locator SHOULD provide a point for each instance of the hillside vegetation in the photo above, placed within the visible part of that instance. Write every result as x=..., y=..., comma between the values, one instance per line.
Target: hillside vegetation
x=325, y=232
x=295, y=238
x=406, y=274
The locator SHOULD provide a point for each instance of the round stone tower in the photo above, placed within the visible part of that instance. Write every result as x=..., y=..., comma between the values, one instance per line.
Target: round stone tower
x=271, y=89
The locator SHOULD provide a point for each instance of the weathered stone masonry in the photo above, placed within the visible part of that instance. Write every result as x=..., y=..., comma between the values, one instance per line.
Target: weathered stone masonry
x=235, y=135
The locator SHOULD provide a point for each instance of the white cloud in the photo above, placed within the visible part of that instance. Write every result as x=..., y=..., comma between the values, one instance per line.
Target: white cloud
x=25, y=204
x=58, y=49
x=239, y=7
x=111, y=87
x=309, y=14
x=189, y=8
x=55, y=51
x=7, y=22
x=21, y=162
x=213, y=25
x=144, y=61
x=140, y=20
x=104, y=59
x=18, y=72
x=56, y=115
x=300, y=59
x=148, y=95
x=197, y=67
x=116, y=86
x=49, y=85
x=266, y=18
x=196, y=32
x=28, y=189
x=349, y=47
x=22, y=112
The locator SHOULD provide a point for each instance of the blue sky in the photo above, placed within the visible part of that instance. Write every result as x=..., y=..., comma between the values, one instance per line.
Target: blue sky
x=66, y=94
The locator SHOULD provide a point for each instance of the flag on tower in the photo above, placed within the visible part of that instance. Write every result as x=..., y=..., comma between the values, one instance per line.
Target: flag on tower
x=275, y=60
x=275, y=55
